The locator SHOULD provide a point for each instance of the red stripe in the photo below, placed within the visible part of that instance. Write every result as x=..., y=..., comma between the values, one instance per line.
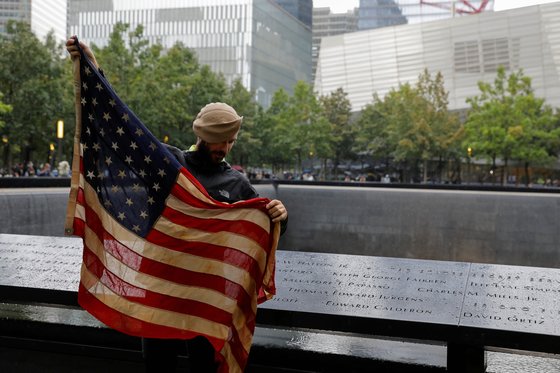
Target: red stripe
x=78, y=227
x=188, y=198
x=80, y=198
x=132, y=326
x=240, y=227
x=237, y=349
x=206, y=250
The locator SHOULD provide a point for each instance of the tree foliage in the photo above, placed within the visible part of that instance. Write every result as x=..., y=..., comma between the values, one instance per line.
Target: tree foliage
x=409, y=130
x=32, y=79
x=337, y=110
x=411, y=125
x=507, y=121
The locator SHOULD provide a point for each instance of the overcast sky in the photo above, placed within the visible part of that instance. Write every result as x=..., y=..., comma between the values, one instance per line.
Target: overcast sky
x=338, y=6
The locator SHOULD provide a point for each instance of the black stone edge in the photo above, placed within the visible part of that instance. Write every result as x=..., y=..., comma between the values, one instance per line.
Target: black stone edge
x=34, y=329
x=417, y=330
x=425, y=331
x=515, y=340
x=34, y=182
x=18, y=294
x=263, y=358
x=28, y=333
x=56, y=182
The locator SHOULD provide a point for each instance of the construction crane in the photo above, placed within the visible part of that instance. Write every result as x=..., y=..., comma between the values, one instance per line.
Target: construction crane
x=459, y=6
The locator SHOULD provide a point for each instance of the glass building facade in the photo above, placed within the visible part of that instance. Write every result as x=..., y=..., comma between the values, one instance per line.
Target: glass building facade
x=465, y=50
x=379, y=13
x=252, y=40
x=301, y=9
x=44, y=16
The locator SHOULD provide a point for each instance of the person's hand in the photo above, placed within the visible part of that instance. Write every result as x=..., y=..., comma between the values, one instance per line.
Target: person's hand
x=277, y=211
x=72, y=48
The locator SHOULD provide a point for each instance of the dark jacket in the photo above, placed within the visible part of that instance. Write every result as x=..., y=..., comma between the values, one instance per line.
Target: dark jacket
x=222, y=182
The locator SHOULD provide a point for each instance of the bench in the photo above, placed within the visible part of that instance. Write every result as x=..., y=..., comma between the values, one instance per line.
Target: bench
x=340, y=310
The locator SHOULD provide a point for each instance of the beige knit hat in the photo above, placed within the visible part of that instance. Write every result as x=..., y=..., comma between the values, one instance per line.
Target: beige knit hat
x=217, y=122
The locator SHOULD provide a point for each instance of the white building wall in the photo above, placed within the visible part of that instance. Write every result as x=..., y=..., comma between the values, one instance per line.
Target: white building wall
x=466, y=50
x=49, y=15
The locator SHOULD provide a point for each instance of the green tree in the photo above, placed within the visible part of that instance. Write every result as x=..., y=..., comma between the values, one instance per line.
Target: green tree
x=4, y=109
x=447, y=131
x=409, y=125
x=395, y=127
x=248, y=145
x=33, y=80
x=372, y=131
x=537, y=134
x=409, y=128
x=507, y=121
x=308, y=129
x=162, y=93
x=275, y=129
x=119, y=61
x=337, y=109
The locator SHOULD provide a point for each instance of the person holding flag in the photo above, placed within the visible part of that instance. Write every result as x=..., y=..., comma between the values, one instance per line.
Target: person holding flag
x=178, y=246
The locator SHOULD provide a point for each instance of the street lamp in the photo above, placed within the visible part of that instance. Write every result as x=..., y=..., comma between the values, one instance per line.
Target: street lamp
x=59, y=129
x=51, y=154
x=6, y=142
x=469, y=155
x=59, y=137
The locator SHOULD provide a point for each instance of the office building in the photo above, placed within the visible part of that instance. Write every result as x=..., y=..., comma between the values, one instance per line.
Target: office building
x=465, y=50
x=43, y=16
x=301, y=9
x=253, y=40
x=326, y=23
x=379, y=13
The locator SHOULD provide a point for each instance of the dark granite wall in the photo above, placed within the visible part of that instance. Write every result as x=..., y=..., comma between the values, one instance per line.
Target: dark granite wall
x=38, y=211
x=475, y=226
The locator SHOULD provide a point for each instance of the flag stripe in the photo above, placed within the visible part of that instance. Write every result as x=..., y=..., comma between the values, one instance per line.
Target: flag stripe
x=145, y=313
x=234, y=241
x=140, y=278
x=219, y=253
x=210, y=225
x=189, y=204
x=105, y=272
x=113, y=318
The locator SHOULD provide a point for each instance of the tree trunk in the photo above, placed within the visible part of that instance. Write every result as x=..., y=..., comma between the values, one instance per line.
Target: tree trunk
x=504, y=172
x=527, y=175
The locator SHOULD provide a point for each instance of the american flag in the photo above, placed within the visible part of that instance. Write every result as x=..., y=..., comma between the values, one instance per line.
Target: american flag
x=161, y=259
